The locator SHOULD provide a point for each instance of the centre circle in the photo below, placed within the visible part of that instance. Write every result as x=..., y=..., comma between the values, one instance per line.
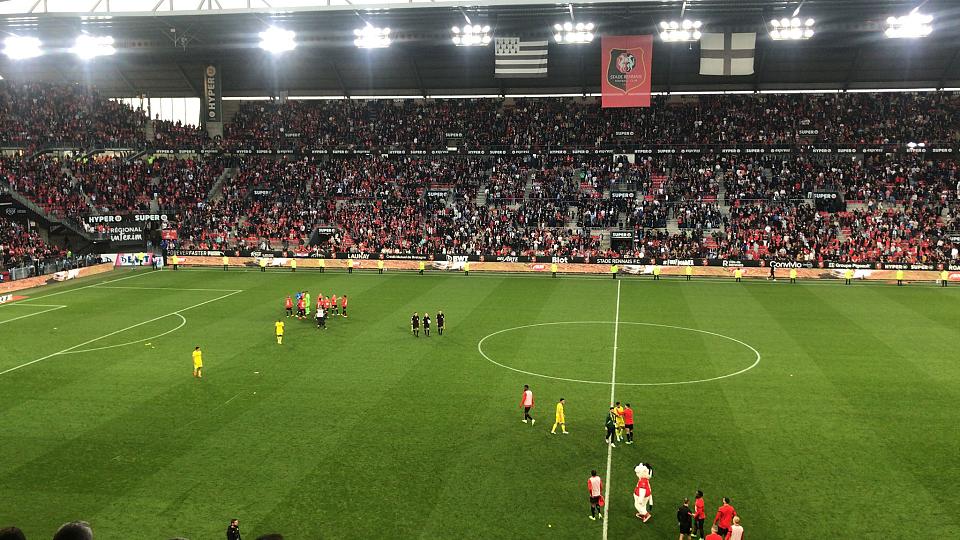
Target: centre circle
x=648, y=354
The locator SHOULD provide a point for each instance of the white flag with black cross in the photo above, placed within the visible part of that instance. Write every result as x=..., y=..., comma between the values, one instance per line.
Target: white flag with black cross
x=727, y=54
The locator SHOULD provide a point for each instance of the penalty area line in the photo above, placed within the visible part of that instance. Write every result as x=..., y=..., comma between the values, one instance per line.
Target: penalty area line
x=48, y=310
x=115, y=332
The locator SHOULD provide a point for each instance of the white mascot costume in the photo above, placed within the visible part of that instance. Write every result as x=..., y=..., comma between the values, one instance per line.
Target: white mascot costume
x=643, y=495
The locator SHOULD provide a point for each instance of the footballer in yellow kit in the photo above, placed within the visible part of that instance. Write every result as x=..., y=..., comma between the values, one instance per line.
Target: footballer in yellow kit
x=197, y=363
x=618, y=409
x=279, y=327
x=560, y=419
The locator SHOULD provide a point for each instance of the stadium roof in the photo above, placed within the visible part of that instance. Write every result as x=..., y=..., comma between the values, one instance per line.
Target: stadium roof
x=162, y=52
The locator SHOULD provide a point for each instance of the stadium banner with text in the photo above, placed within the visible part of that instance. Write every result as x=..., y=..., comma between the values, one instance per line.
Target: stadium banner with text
x=601, y=261
x=212, y=94
x=565, y=265
x=625, y=70
x=930, y=151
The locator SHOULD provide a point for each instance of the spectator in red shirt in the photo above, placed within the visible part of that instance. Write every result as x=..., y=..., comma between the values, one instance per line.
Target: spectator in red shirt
x=724, y=517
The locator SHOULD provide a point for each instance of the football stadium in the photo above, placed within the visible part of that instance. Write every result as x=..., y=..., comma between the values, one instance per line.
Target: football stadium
x=318, y=269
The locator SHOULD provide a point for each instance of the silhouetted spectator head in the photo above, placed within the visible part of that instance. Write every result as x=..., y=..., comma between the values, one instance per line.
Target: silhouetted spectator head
x=11, y=533
x=75, y=530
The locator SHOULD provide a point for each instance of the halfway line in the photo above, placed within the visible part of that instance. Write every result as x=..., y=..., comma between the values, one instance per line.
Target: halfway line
x=613, y=389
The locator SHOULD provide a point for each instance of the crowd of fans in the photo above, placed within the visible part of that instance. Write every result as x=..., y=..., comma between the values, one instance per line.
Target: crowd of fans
x=903, y=207
x=169, y=135
x=21, y=245
x=34, y=115
x=47, y=184
x=788, y=119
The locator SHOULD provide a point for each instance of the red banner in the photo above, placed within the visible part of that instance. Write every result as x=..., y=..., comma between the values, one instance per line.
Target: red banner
x=625, y=70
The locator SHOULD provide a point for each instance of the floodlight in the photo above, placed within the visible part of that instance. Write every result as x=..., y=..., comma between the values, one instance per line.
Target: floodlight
x=685, y=30
x=471, y=35
x=912, y=25
x=277, y=40
x=569, y=33
x=791, y=29
x=371, y=37
x=21, y=47
x=88, y=47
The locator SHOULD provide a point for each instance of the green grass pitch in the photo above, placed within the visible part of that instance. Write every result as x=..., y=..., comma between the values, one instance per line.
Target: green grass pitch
x=848, y=427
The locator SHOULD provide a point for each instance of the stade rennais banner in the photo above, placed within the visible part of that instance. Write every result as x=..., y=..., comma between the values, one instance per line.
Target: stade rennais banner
x=625, y=64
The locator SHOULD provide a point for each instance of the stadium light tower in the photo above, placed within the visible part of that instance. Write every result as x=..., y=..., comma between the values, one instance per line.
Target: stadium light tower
x=88, y=47
x=685, y=30
x=569, y=33
x=277, y=40
x=22, y=47
x=372, y=37
x=911, y=25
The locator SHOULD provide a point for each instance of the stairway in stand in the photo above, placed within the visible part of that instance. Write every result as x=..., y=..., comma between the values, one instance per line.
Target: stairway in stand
x=347, y=242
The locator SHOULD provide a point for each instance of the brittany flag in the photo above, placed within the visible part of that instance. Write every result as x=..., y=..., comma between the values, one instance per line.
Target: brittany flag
x=519, y=59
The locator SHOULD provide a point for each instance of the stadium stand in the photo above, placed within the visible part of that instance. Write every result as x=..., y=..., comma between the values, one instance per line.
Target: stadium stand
x=695, y=205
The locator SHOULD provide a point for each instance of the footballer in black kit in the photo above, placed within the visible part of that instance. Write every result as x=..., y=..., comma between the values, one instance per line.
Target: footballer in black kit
x=415, y=324
x=426, y=324
x=440, y=323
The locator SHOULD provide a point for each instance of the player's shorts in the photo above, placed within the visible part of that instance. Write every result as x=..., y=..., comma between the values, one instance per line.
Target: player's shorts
x=527, y=409
x=280, y=334
x=684, y=528
x=197, y=366
x=629, y=426
x=595, y=500
x=722, y=532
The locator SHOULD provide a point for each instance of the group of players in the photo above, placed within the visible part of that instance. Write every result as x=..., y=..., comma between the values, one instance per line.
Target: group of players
x=415, y=322
x=325, y=307
x=619, y=427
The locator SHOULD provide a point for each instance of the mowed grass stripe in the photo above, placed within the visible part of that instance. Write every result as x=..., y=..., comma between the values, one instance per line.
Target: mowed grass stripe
x=925, y=415
x=661, y=410
x=434, y=415
x=278, y=407
x=852, y=438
